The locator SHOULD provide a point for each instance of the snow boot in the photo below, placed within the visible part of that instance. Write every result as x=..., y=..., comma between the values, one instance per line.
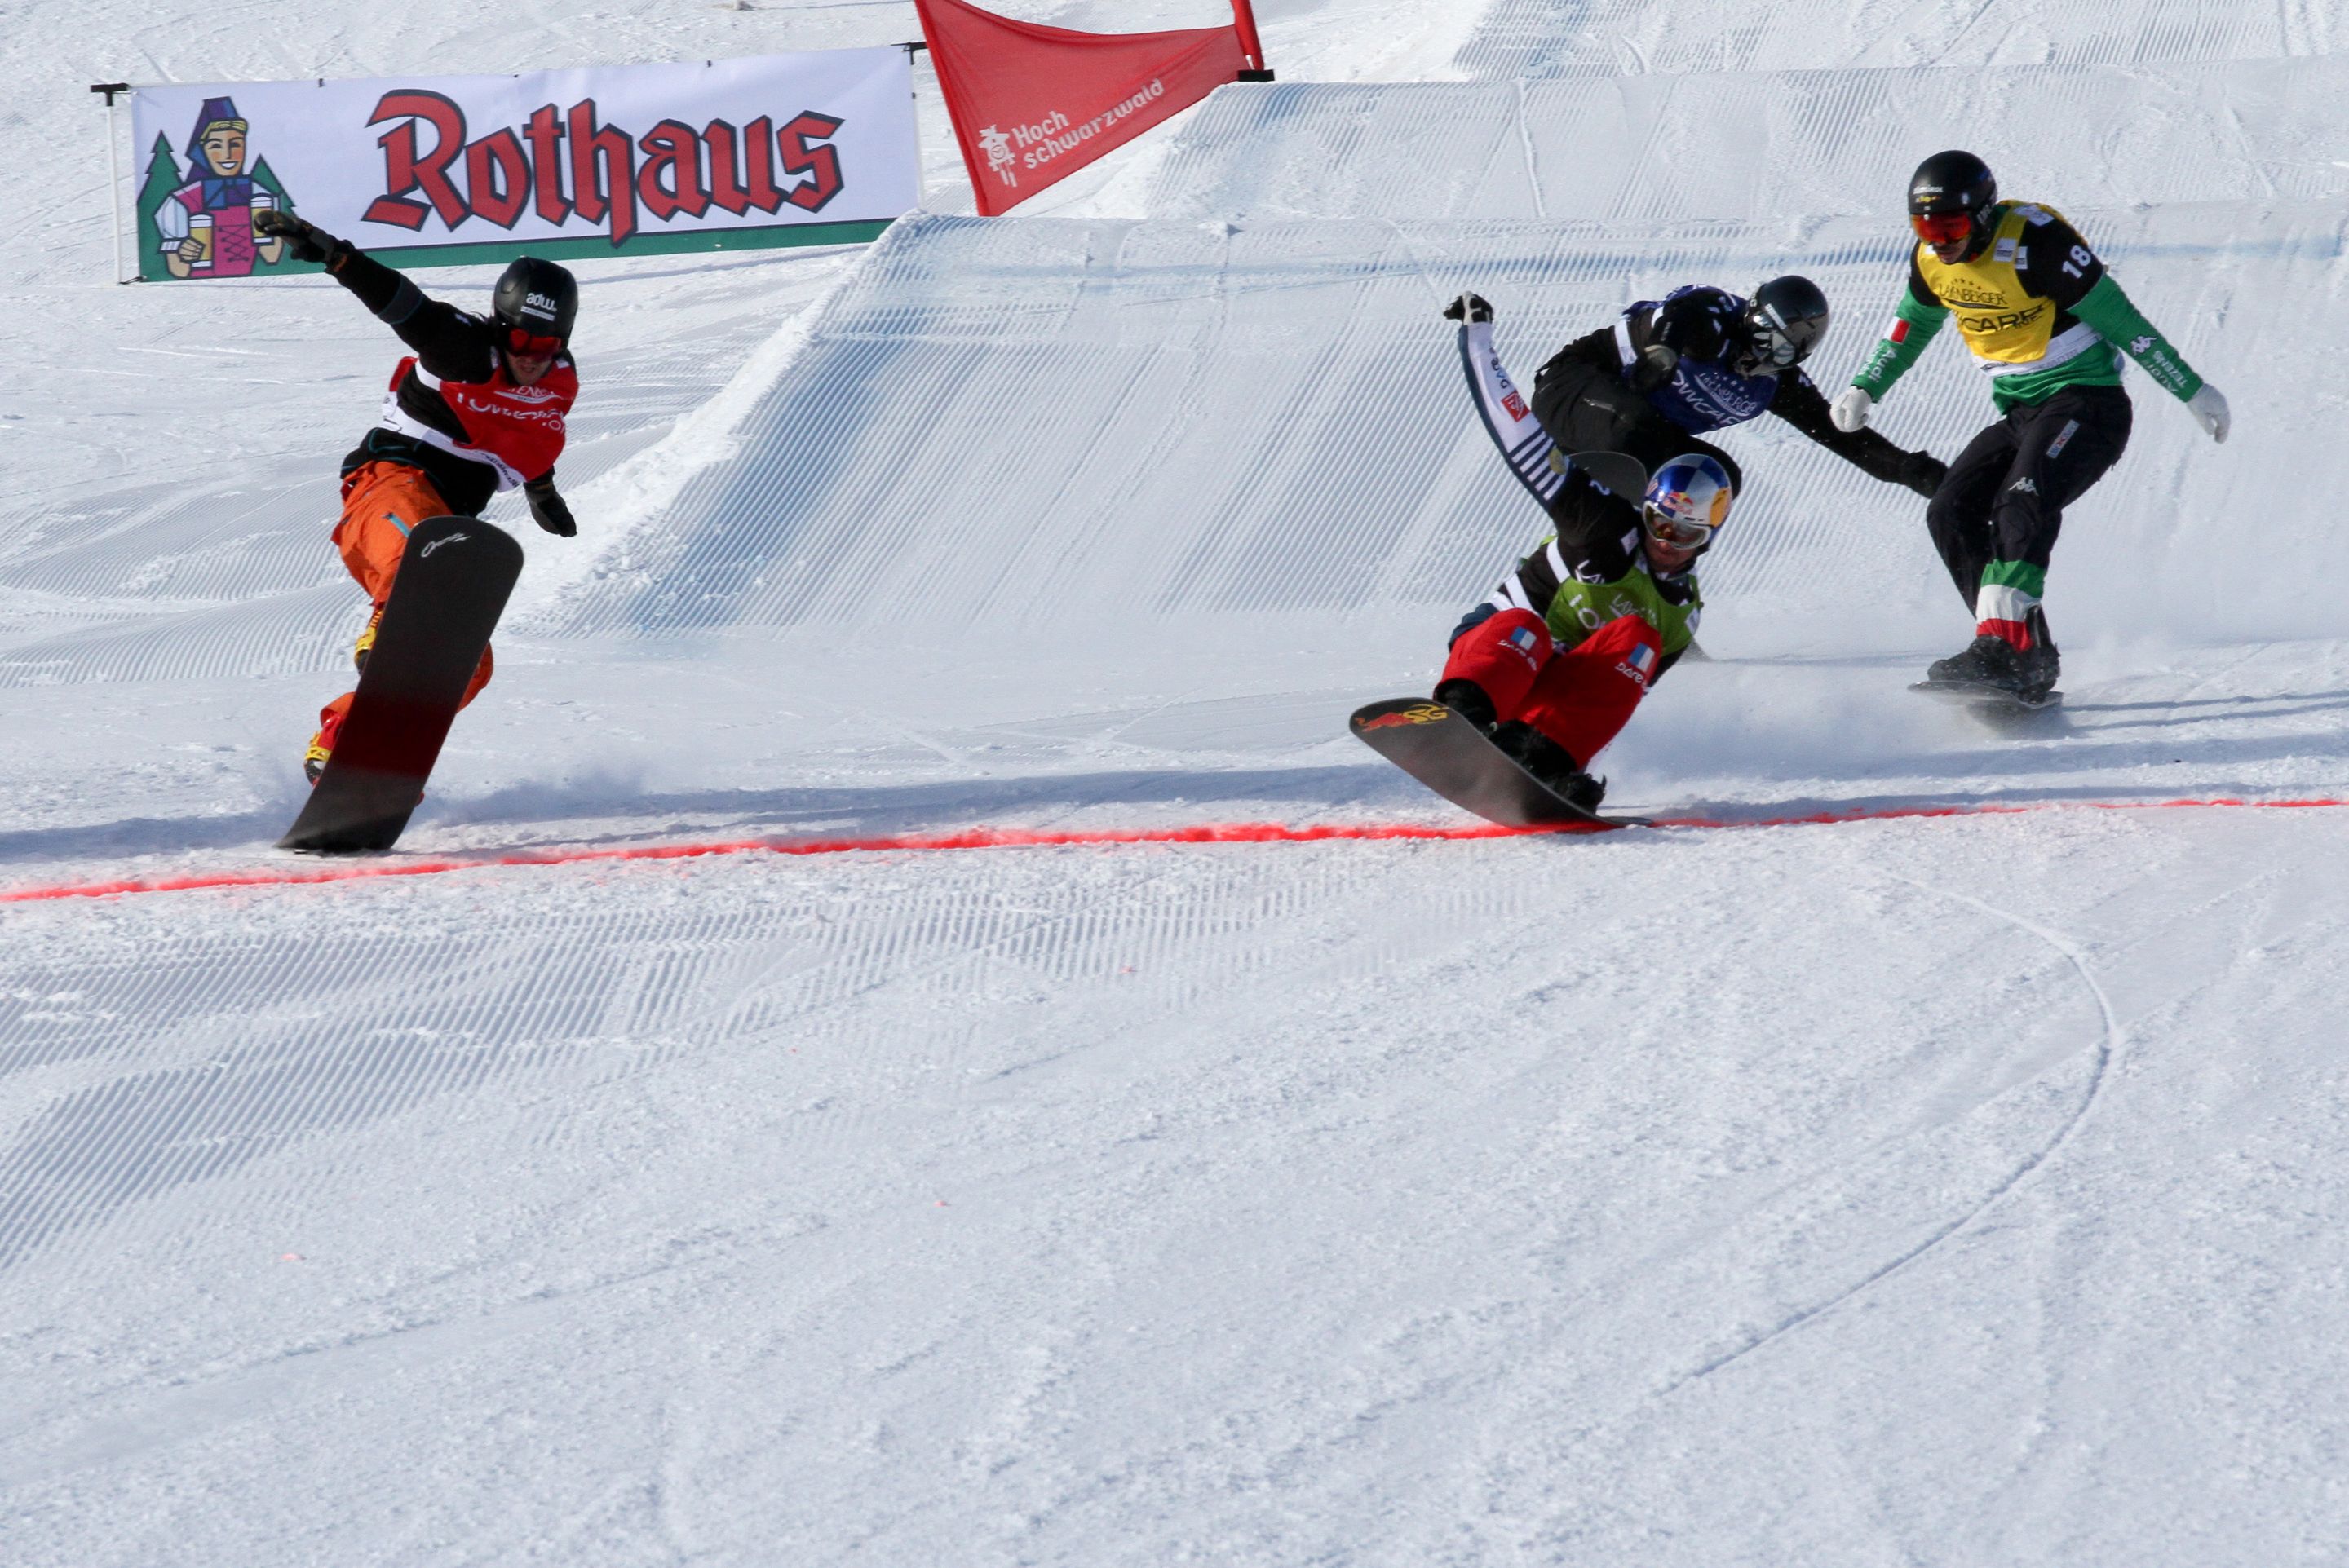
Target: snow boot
x=2040, y=664
x=1551, y=764
x=1988, y=661
x=322, y=746
x=365, y=644
x=1468, y=700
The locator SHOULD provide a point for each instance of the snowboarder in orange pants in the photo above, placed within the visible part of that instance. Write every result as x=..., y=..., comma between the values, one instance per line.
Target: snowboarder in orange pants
x=479, y=407
x=382, y=503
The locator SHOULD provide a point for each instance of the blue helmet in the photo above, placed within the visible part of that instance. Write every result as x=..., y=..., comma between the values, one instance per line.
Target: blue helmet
x=1687, y=501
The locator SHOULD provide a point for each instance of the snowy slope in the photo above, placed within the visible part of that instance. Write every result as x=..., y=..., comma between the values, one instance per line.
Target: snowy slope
x=1924, y=1189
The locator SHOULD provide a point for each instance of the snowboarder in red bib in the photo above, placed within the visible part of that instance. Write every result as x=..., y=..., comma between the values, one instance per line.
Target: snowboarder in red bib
x=1554, y=664
x=478, y=409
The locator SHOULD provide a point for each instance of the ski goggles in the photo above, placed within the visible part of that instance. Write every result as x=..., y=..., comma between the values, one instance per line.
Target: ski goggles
x=1769, y=346
x=520, y=342
x=1943, y=228
x=1680, y=533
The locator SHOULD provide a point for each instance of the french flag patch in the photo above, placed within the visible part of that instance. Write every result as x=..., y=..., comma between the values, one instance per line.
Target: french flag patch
x=1523, y=640
x=1643, y=659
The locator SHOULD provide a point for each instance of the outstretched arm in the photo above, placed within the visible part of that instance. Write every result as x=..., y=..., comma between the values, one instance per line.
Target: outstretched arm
x=448, y=343
x=1524, y=445
x=1801, y=405
x=1915, y=322
x=2118, y=321
x=2063, y=268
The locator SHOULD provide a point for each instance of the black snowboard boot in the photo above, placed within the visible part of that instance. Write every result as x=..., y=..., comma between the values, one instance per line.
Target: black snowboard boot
x=1468, y=700
x=2042, y=664
x=1551, y=764
x=1988, y=661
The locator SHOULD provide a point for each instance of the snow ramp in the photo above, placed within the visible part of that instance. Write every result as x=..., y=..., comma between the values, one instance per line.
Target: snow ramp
x=1011, y=424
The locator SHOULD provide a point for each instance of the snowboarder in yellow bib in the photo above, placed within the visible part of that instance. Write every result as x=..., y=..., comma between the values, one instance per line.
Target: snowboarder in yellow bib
x=2048, y=324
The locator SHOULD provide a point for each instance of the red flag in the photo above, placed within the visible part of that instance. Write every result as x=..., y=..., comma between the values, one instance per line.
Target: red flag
x=1032, y=104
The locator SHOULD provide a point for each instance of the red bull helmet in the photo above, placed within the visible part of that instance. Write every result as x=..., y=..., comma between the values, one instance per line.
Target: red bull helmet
x=1687, y=502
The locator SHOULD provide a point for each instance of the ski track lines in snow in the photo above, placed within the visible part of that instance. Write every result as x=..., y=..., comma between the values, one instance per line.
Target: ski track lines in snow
x=1143, y=423
x=1752, y=146
x=2105, y=1050
x=192, y=1080
x=1591, y=40
x=1706, y=1196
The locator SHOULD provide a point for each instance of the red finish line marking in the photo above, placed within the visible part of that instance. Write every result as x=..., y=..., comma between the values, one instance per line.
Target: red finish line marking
x=1026, y=838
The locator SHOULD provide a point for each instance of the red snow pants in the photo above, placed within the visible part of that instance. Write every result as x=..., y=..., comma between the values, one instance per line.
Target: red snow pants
x=1580, y=697
x=381, y=503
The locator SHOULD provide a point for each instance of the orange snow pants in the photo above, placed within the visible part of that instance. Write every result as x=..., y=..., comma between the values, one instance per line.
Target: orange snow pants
x=381, y=503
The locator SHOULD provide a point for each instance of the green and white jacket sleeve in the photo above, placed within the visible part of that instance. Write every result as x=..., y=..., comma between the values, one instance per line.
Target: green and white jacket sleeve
x=2119, y=323
x=1914, y=325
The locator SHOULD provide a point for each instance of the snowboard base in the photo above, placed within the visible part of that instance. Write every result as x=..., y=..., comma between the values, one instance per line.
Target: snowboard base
x=1989, y=699
x=445, y=601
x=1456, y=759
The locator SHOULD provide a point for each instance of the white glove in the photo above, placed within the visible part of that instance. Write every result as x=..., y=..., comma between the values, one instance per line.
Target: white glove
x=1850, y=409
x=2208, y=407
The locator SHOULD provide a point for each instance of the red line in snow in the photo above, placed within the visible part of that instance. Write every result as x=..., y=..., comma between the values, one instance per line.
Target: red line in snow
x=1027, y=838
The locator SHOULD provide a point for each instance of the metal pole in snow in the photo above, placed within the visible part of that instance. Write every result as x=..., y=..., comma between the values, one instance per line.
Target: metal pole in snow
x=113, y=170
x=1251, y=48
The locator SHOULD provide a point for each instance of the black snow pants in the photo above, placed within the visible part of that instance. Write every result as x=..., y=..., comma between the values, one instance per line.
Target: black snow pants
x=2004, y=497
x=1587, y=410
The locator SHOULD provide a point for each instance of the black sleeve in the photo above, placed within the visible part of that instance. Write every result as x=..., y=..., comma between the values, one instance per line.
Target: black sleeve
x=448, y=343
x=1801, y=404
x=1918, y=289
x=2056, y=263
x=1596, y=349
x=1593, y=528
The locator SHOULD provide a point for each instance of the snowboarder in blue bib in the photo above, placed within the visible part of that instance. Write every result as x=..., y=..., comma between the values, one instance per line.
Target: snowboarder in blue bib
x=1699, y=360
x=2048, y=323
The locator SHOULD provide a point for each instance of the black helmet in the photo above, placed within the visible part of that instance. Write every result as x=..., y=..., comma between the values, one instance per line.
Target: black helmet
x=1784, y=322
x=536, y=298
x=1950, y=185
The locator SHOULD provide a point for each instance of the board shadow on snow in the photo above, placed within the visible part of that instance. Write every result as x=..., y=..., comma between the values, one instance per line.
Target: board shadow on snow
x=883, y=809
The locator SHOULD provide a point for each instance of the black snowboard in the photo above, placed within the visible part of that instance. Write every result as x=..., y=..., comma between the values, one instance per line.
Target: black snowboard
x=1992, y=701
x=1452, y=758
x=453, y=580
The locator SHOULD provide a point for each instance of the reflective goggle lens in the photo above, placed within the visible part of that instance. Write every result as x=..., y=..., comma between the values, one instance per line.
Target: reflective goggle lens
x=1677, y=533
x=1775, y=347
x=520, y=342
x=1943, y=228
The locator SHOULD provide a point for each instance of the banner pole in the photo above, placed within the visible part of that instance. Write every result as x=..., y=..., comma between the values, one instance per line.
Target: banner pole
x=1251, y=48
x=113, y=170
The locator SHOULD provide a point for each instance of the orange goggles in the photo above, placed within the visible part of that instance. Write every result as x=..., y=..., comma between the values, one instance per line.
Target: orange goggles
x=1943, y=228
x=520, y=342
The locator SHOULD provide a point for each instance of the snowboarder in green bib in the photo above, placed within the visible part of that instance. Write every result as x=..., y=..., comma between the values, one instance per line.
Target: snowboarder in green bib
x=2048, y=323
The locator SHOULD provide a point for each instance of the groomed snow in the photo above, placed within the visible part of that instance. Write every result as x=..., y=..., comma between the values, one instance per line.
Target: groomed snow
x=1913, y=1189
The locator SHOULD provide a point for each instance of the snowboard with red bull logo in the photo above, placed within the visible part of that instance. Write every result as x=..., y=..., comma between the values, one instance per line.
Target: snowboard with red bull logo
x=1456, y=759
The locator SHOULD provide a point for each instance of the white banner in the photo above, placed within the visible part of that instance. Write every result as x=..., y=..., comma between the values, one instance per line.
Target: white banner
x=784, y=150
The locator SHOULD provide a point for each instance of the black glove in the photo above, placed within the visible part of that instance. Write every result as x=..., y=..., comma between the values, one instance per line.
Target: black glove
x=1468, y=307
x=1655, y=365
x=1923, y=472
x=546, y=508
x=303, y=239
